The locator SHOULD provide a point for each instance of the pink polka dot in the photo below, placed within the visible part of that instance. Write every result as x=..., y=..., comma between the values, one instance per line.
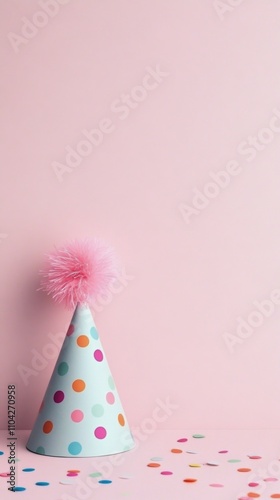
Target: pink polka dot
x=100, y=432
x=58, y=396
x=98, y=355
x=110, y=398
x=77, y=416
x=70, y=330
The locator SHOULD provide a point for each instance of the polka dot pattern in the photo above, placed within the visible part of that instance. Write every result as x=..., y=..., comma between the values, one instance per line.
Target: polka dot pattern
x=62, y=368
x=121, y=419
x=83, y=341
x=58, y=396
x=98, y=355
x=94, y=333
x=78, y=385
x=77, y=416
x=47, y=427
x=110, y=398
x=97, y=410
x=75, y=448
x=100, y=432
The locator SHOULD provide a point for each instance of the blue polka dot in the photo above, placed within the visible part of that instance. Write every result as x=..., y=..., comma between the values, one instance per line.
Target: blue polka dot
x=74, y=448
x=104, y=481
x=19, y=488
x=94, y=333
x=1, y=452
x=28, y=469
x=42, y=483
x=40, y=450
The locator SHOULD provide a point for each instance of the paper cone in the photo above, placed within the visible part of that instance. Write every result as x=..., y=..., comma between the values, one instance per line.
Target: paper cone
x=81, y=414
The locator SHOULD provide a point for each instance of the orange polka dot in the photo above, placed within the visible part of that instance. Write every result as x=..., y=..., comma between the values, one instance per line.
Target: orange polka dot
x=83, y=341
x=78, y=385
x=153, y=464
x=275, y=495
x=252, y=494
x=121, y=419
x=189, y=480
x=47, y=427
x=176, y=450
x=244, y=469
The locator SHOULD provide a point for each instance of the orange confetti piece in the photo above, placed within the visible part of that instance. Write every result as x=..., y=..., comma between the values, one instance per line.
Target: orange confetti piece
x=153, y=464
x=244, y=469
x=189, y=480
x=252, y=494
x=275, y=495
x=176, y=450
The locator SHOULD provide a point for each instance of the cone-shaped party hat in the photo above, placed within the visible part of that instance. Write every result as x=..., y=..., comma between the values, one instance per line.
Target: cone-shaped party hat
x=81, y=414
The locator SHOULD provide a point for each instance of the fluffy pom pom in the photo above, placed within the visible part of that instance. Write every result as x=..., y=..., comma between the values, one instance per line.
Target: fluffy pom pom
x=78, y=272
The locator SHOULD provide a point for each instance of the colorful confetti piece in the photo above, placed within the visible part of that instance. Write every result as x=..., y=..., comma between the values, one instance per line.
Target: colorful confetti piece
x=176, y=450
x=28, y=469
x=166, y=473
x=156, y=459
x=198, y=436
x=275, y=495
x=153, y=464
x=253, y=485
x=95, y=474
x=19, y=488
x=252, y=494
x=254, y=457
x=42, y=483
x=190, y=480
x=244, y=469
x=270, y=479
x=194, y=465
x=182, y=440
x=105, y=481
x=216, y=485
x=223, y=451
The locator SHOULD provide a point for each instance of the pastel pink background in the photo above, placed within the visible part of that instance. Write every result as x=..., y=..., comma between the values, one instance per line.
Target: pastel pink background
x=163, y=334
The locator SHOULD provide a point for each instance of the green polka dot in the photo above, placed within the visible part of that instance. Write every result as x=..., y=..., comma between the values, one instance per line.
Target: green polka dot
x=111, y=382
x=40, y=450
x=97, y=410
x=62, y=368
x=95, y=474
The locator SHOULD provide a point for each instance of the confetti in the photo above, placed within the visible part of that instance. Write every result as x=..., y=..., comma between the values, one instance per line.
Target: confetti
x=176, y=450
x=28, y=469
x=1, y=452
x=212, y=464
x=156, y=459
x=275, y=495
x=252, y=485
x=223, y=451
x=66, y=482
x=194, y=465
x=5, y=474
x=182, y=440
x=251, y=494
x=105, y=481
x=19, y=488
x=254, y=457
x=234, y=460
x=198, y=436
x=72, y=474
x=42, y=483
x=153, y=464
x=270, y=479
x=95, y=474
x=189, y=480
x=244, y=469
x=216, y=485
x=166, y=473
x=192, y=452
x=126, y=476
x=74, y=470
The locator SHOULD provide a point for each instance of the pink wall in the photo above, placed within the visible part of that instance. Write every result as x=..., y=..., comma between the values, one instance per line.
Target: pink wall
x=185, y=323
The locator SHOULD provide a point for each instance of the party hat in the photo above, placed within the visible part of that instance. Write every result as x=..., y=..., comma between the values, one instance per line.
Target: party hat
x=81, y=414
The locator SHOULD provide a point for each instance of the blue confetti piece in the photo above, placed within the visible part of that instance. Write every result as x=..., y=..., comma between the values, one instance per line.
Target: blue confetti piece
x=28, y=469
x=105, y=481
x=19, y=488
x=42, y=483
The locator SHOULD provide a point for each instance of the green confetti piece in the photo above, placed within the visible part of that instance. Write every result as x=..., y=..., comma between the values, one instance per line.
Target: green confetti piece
x=95, y=474
x=198, y=436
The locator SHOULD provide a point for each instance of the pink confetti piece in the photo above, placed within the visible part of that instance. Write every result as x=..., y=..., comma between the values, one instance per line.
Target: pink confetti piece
x=223, y=451
x=216, y=485
x=254, y=457
x=72, y=474
x=166, y=473
x=182, y=440
x=270, y=479
x=5, y=474
x=253, y=485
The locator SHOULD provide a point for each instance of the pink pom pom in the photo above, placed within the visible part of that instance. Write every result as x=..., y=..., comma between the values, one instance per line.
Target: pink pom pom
x=78, y=272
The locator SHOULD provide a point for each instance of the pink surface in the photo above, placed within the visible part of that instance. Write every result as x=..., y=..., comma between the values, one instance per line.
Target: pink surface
x=217, y=477
x=116, y=118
